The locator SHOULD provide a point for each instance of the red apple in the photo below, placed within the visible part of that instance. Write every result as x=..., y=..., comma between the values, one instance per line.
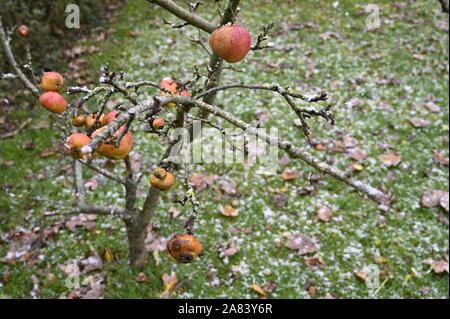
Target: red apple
x=53, y=102
x=52, y=81
x=79, y=121
x=90, y=120
x=110, y=151
x=169, y=84
x=158, y=123
x=23, y=30
x=230, y=42
x=173, y=87
x=109, y=117
x=74, y=143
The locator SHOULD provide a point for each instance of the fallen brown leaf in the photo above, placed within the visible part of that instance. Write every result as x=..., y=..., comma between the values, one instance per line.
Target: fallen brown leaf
x=46, y=154
x=432, y=197
x=440, y=159
x=302, y=243
x=361, y=275
x=357, y=154
x=141, y=277
x=418, y=122
x=229, y=211
x=314, y=262
x=169, y=282
x=229, y=188
x=433, y=107
x=91, y=184
x=324, y=213
x=349, y=141
x=290, y=174
x=228, y=252
x=356, y=102
x=258, y=289
x=174, y=212
x=390, y=159
x=201, y=181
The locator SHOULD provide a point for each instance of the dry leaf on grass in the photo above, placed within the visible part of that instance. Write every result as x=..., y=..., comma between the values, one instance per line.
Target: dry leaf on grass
x=229, y=188
x=169, y=282
x=174, y=212
x=355, y=102
x=315, y=262
x=91, y=184
x=290, y=174
x=349, y=141
x=438, y=266
x=227, y=249
x=433, y=107
x=141, y=277
x=302, y=243
x=202, y=181
x=356, y=167
x=108, y=255
x=155, y=244
x=361, y=275
x=258, y=289
x=270, y=286
x=390, y=159
x=93, y=262
x=418, y=122
x=229, y=211
x=212, y=275
x=284, y=161
x=46, y=154
x=440, y=158
x=279, y=199
x=324, y=213
x=434, y=197
x=357, y=154
x=444, y=202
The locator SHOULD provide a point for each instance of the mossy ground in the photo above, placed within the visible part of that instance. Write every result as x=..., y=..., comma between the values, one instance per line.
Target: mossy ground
x=144, y=48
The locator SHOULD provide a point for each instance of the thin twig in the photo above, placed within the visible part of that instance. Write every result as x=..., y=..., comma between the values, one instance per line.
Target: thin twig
x=17, y=130
x=104, y=172
x=4, y=39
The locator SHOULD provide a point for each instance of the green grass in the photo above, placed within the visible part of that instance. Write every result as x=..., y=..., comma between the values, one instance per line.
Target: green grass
x=350, y=240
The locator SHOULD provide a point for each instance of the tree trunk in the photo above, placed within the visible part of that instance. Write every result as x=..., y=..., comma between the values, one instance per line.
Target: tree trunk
x=137, y=254
x=137, y=229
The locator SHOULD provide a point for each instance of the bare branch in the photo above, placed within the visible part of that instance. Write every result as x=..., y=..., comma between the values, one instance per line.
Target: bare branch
x=138, y=84
x=118, y=139
x=305, y=126
x=4, y=39
x=268, y=87
x=231, y=12
x=365, y=189
x=90, y=209
x=263, y=36
x=201, y=44
x=119, y=85
x=89, y=94
x=186, y=15
x=175, y=26
x=17, y=130
x=104, y=172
